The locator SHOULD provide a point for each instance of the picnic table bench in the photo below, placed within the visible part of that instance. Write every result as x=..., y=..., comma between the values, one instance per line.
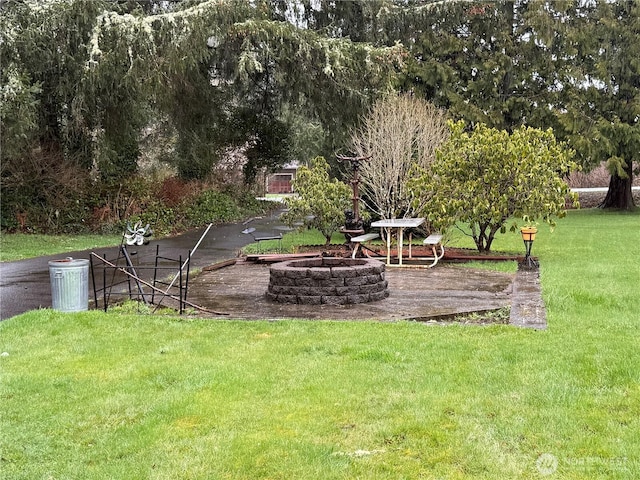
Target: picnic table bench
x=260, y=238
x=358, y=242
x=434, y=241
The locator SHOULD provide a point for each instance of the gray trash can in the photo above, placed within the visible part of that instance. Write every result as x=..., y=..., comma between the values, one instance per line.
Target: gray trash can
x=69, y=284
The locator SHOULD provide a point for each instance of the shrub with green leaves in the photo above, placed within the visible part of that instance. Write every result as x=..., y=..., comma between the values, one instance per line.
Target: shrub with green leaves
x=213, y=207
x=321, y=202
x=484, y=177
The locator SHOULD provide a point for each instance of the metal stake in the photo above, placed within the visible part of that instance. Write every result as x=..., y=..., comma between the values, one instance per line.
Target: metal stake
x=182, y=267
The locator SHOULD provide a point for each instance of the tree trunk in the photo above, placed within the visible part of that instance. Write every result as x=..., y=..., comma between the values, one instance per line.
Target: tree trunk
x=619, y=195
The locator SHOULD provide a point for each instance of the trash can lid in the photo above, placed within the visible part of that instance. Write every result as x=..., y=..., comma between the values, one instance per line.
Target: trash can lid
x=69, y=262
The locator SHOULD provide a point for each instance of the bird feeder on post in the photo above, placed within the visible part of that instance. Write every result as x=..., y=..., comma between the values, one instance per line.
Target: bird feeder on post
x=528, y=236
x=353, y=223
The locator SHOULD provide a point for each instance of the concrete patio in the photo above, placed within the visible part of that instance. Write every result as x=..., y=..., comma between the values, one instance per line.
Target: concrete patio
x=239, y=290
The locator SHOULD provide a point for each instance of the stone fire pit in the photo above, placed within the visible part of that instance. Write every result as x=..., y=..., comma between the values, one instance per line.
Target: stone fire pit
x=335, y=281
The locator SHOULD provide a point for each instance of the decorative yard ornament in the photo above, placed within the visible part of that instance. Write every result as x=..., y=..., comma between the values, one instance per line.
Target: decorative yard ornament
x=353, y=222
x=528, y=236
x=138, y=235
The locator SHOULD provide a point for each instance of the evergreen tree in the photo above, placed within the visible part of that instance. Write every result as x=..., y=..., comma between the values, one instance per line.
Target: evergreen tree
x=602, y=116
x=489, y=63
x=81, y=79
x=571, y=66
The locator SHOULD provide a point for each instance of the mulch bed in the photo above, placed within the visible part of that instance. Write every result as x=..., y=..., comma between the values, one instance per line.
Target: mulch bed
x=450, y=254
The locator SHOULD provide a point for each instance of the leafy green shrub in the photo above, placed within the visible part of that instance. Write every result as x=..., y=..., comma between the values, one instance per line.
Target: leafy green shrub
x=321, y=202
x=486, y=176
x=71, y=203
x=43, y=192
x=250, y=205
x=212, y=207
x=164, y=220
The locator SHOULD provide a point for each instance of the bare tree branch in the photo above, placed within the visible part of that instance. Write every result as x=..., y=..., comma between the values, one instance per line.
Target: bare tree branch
x=400, y=133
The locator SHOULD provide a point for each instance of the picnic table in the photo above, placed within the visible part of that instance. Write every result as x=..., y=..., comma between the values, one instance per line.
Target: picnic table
x=389, y=225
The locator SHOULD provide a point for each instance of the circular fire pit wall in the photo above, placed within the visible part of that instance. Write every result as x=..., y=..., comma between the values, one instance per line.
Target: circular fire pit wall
x=336, y=281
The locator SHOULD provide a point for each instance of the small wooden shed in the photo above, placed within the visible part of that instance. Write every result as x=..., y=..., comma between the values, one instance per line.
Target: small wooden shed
x=281, y=181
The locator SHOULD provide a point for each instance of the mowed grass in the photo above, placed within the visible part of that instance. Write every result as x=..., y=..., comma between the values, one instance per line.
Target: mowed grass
x=100, y=396
x=18, y=246
x=292, y=240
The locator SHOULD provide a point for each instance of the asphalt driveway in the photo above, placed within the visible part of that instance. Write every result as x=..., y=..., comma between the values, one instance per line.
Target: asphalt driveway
x=25, y=284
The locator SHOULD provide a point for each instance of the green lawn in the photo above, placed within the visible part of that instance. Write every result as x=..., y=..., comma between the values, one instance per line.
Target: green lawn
x=18, y=246
x=104, y=396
